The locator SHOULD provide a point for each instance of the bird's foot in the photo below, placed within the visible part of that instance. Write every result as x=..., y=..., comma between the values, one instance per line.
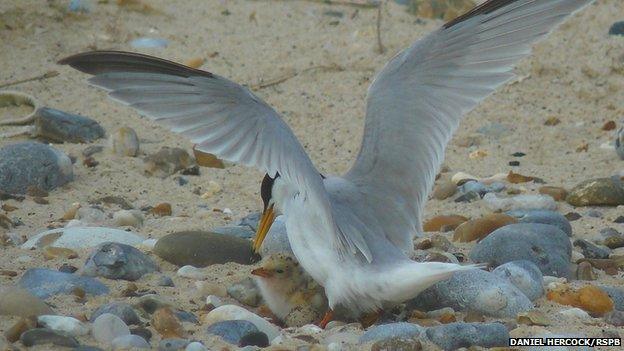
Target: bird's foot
x=369, y=319
x=329, y=316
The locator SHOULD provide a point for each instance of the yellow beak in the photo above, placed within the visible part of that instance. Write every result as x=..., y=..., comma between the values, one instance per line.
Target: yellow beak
x=268, y=216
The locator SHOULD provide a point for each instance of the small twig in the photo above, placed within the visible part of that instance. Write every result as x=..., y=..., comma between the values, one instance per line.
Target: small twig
x=380, y=48
x=364, y=4
x=46, y=75
x=292, y=74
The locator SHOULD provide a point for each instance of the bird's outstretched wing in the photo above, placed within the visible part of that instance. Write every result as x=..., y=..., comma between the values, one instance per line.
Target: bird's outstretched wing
x=220, y=116
x=416, y=102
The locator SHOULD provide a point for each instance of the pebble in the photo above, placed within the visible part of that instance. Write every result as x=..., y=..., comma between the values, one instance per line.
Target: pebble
x=172, y=344
x=232, y=330
x=619, y=143
x=617, y=28
x=614, y=242
x=191, y=272
x=519, y=202
x=15, y=301
x=207, y=288
x=205, y=159
x=167, y=324
x=477, y=291
x=544, y=217
x=615, y=318
x=201, y=249
x=239, y=231
x=545, y=245
x=51, y=252
x=92, y=150
x=107, y=327
x=164, y=280
x=455, y=335
x=616, y=294
x=62, y=127
x=575, y=313
x=233, y=312
x=142, y=43
x=525, y=275
x=125, y=342
x=384, y=332
x=251, y=220
x=480, y=188
x=152, y=302
x=44, y=283
x=597, y=192
x=124, y=142
x=258, y=339
x=397, y=344
x=81, y=238
x=120, y=309
x=591, y=250
x=443, y=223
x=195, y=346
x=557, y=193
x=145, y=333
x=118, y=261
x=477, y=229
x=67, y=325
x=444, y=189
x=470, y=196
x=276, y=240
x=42, y=336
x=585, y=271
x=30, y=163
x=128, y=218
x=245, y=292
x=589, y=298
x=167, y=161
x=16, y=330
x=533, y=317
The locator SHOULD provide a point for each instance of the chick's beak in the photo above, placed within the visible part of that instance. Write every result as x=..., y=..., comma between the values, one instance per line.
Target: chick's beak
x=268, y=216
x=262, y=272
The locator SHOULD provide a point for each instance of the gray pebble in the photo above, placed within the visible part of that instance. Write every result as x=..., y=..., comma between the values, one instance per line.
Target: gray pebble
x=119, y=309
x=525, y=275
x=145, y=333
x=455, y=335
x=545, y=245
x=591, y=250
x=258, y=339
x=164, y=280
x=172, y=344
x=232, y=331
x=92, y=150
x=44, y=283
x=544, y=217
x=30, y=163
x=129, y=341
x=615, y=318
x=616, y=294
x=118, y=261
x=276, y=240
x=251, y=220
x=186, y=316
x=474, y=290
x=470, y=196
x=402, y=330
x=41, y=336
x=59, y=126
x=245, y=292
x=240, y=231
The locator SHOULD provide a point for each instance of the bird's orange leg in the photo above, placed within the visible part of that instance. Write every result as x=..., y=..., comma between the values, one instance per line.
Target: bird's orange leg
x=329, y=316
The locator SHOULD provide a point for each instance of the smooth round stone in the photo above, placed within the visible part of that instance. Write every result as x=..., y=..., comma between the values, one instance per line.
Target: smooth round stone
x=591, y=250
x=444, y=189
x=544, y=217
x=131, y=341
x=575, y=313
x=145, y=333
x=616, y=294
x=67, y=325
x=245, y=292
x=257, y=338
x=120, y=309
x=63, y=127
x=617, y=28
x=232, y=331
x=545, y=245
x=525, y=275
x=615, y=318
x=597, y=192
x=81, y=238
x=393, y=330
x=167, y=161
x=239, y=231
x=15, y=301
x=107, y=327
x=233, y=312
x=251, y=221
x=172, y=344
x=118, y=261
x=152, y=302
x=128, y=218
x=44, y=283
x=519, y=202
x=201, y=249
x=455, y=335
x=124, y=142
x=276, y=240
x=477, y=291
x=195, y=346
x=164, y=280
x=191, y=272
x=42, y=336
x=29, y=163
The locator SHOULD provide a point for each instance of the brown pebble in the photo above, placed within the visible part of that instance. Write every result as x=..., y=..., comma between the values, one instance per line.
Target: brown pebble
x=589, y=298
x=609, y=125
x=40, y=200
x=205, y=159
x=195, y=62
x=552, y=121
x=582, y=147
x=71, y=213
x=167, y=324
x=614, y=242
x=572, y=216
x=474, y=317
x=424, y=244
x=130, y=290
x=90, y=162
x=22, y=325
x=52, y=252
x=447, y=317
x=8, y=273
x=8, y=208
x=33, y=190
x=436, y=223
x=517, y=178
x=444, y=189
x=607, y=265
x=477, y=229
x=5, y=221
x=585, y=271
x=557, y=193
x=162, y=209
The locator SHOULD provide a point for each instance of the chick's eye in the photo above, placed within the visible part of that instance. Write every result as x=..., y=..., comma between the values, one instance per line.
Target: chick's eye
x=280, y=271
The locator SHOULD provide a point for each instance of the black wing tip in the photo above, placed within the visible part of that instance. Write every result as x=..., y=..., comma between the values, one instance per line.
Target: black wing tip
x=485, y=8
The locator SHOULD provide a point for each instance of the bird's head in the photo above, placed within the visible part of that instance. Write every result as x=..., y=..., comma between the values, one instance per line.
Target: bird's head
x=280, y=267
x=267, y=189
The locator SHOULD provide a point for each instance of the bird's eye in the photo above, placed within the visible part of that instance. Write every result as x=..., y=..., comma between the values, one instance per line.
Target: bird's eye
x=280, y=271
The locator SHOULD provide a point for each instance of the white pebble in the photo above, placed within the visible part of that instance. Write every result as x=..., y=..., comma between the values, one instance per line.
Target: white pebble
x=107, y=327
x=228, y=211
x=576, y=256
x=124, y=142
x=310, y=329
x=191, y=272
x=214, y=301
x=207, y=288
x=129, y=218
x=576, y=313
x=212, y=189
x=195, y=346
x=67, y=325
x=131, y=341
x=549, y=279
x=148, y=244
x=519, y=202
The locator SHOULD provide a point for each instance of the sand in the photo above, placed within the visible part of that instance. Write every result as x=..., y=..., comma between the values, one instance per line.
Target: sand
x=576, y=75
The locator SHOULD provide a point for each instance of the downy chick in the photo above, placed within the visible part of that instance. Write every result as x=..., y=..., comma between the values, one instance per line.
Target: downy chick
x=291, y=294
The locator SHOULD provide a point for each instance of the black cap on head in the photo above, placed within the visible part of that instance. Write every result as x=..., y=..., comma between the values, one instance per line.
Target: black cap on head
x=266, y=189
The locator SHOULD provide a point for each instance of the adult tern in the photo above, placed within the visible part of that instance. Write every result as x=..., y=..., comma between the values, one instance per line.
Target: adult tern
x=352, y=233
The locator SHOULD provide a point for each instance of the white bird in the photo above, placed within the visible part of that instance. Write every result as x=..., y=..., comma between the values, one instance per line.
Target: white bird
x=351, y=233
